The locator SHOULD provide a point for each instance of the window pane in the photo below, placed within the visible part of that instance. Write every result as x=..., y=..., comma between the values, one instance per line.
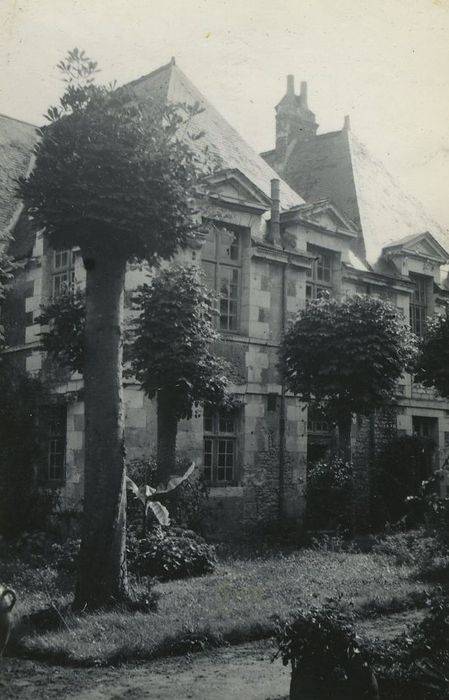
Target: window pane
x=209, y=251
x=56, y=443
x=229, y=246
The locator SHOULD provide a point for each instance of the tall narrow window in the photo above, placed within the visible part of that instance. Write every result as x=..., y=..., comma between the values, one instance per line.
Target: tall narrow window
x=63, y=271
x=56, y=446
x=418, y=305
x=221, y=261
x=319, y=278
x=220, y=446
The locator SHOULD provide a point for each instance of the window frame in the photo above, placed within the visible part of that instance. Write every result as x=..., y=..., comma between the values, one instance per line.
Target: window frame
x=213, y=435
x=221, y=264
x=313, y=281
x=59, y=271
x=419, y=308
x=57, y=414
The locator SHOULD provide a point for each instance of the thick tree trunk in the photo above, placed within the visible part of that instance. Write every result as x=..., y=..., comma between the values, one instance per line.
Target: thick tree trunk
x=344, y=437
x=167, y=429
x=102, y=577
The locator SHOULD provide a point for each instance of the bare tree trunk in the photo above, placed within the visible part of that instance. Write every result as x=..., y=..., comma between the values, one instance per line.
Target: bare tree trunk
x=167, y=430
x=102, y=578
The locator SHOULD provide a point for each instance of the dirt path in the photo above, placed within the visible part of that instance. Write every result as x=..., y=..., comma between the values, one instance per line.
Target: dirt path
x=243, y=672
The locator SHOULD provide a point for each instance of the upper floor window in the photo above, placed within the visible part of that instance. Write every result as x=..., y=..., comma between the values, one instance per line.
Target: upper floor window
x=220, y=445
x=63, y=271
x=56, y=443
x=221, y=262
x=319, y=278
x=419, y=304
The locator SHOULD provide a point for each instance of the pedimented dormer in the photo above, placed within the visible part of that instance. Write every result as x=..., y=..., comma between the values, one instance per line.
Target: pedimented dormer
x=327, y=217
x=418, y=254
x=233, y=189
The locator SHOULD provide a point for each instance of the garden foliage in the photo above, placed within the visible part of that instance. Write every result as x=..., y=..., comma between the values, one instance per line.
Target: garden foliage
x=329, y=489
x=348, y=354
x=433, y=363
x=170, y=553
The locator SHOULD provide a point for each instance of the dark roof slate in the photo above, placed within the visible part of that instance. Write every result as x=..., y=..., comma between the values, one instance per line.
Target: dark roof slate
x=222, y=140
x=17, y=139
x=336, y=165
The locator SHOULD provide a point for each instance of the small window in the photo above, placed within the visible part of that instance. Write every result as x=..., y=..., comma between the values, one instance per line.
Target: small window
x=63, y=271
x=319, y=278
x=56, y=444
x=221, y=262
x=220, y=446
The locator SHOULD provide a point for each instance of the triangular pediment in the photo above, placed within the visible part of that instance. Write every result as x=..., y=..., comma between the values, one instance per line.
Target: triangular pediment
x=422, y=245
x=233, y=187
x=326, y=215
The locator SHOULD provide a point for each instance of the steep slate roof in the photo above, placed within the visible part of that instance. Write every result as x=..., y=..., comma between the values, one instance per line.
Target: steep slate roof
x=169, y=83
x=337, y=165
x=17, y=139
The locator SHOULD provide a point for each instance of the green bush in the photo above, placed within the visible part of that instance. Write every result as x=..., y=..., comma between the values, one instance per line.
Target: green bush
x=169, y=553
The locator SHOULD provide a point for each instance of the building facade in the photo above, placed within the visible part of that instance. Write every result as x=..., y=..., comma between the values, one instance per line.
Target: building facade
x=272, y=242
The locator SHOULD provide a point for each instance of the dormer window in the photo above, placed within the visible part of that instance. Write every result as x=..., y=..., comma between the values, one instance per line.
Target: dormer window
x=319, y=278
x=419, y=304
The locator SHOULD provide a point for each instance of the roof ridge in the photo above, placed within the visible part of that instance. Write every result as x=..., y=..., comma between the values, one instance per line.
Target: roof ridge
x=154, y=72
x=21, y=121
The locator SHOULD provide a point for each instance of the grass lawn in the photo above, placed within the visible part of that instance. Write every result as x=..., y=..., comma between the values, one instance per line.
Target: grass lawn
x=241, y=601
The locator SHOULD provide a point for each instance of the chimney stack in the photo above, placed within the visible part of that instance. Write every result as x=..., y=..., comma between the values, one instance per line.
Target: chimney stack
x=290, y=84
x=347, y=123
x=303, y=92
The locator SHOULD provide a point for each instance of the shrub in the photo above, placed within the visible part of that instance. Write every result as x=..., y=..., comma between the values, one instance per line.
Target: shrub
x=319, y=640
x=433, y=507
x=412, y=547
x=329, y=484
x=324, y=651
x=65, y=555
x=400, y=469
x=170, y=553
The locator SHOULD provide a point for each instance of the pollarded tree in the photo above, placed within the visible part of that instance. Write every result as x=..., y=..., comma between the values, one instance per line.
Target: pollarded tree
x=171, y=355
x=168, y=346
x=346, y=356
x=114, y=177
x=433, y=361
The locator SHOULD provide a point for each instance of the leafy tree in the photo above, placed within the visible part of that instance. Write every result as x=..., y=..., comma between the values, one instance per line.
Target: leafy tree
x=115, y=177
x=433, y=361
x=171, y=355
x=6, y=273
x=346, y=356
x=65, y=317
x=168, y=345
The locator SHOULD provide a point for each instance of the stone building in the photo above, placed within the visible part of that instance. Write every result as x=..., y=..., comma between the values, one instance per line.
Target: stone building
x=311, y=215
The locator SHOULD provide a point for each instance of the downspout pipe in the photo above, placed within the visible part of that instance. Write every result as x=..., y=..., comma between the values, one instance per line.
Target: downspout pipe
x=275, y=240
x=282, y=410
x=275, y=225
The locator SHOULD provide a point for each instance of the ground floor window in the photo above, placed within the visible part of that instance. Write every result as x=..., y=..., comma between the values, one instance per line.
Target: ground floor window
x=319, y=436
x=56, y=443
x=220, y=446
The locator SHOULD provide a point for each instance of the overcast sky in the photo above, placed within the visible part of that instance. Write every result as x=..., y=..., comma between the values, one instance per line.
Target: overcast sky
x=383, y=62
